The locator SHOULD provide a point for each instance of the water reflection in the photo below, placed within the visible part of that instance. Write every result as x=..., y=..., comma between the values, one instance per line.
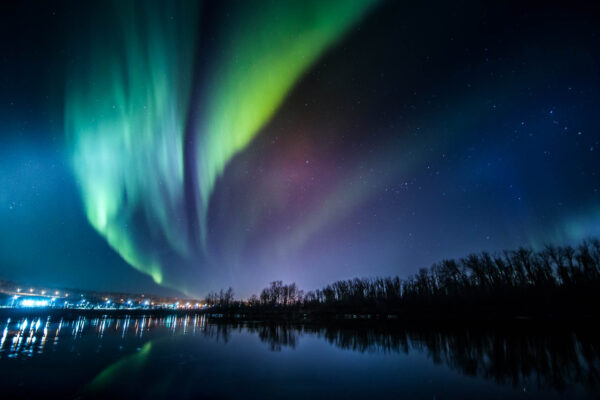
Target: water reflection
x=131, y=364
x=520, y=356
x=27, y=337
x=547, y=357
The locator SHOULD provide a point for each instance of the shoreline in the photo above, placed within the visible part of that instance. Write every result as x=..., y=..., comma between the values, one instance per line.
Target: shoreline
x=302, y=318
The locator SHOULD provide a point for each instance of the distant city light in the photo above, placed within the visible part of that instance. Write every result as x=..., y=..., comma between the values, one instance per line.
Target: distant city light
x=34, y=303
x=28, y=298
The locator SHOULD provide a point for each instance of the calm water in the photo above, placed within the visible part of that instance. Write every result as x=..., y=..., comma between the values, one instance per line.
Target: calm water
x=189, y=357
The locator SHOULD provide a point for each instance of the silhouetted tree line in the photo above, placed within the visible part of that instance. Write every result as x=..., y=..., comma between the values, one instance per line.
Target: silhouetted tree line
x=224, y=298
x=524, y=281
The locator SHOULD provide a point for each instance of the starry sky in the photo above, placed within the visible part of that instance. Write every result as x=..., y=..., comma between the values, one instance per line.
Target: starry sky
x=181, y=147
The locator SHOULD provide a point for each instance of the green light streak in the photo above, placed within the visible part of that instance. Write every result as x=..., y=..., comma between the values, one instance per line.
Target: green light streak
x=262, y=58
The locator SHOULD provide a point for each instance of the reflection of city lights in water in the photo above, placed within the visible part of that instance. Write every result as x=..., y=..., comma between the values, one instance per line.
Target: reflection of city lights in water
x=44, y=336
x=125, y=326
x=28, y=337
x=4, y=332
x=57, y=334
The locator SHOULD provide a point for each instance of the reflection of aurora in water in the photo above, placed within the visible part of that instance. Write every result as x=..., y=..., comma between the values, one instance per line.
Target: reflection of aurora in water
x=154, y=351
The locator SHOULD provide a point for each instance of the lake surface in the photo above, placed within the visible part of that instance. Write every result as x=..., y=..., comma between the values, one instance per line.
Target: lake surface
x=192, y=357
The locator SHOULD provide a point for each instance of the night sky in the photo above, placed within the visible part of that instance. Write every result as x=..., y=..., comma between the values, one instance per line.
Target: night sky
x=185, y=146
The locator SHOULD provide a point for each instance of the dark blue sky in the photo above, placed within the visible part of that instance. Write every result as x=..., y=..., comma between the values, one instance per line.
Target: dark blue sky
x=424, y=132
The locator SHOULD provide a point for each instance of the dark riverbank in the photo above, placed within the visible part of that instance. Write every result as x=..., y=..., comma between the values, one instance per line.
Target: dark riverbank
x=89, y=313
x=300, y=316
x=554, y=283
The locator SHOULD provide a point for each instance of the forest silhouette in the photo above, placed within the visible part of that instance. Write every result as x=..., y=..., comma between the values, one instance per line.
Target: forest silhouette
x=555, y=281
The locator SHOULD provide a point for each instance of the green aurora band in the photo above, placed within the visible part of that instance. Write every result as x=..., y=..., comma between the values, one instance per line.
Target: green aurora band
x=262, y=57
x=126, y=113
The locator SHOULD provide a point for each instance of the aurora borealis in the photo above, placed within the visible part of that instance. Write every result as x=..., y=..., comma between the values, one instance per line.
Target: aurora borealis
x=125, y=120
x=128, y=114
x=212, y=144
